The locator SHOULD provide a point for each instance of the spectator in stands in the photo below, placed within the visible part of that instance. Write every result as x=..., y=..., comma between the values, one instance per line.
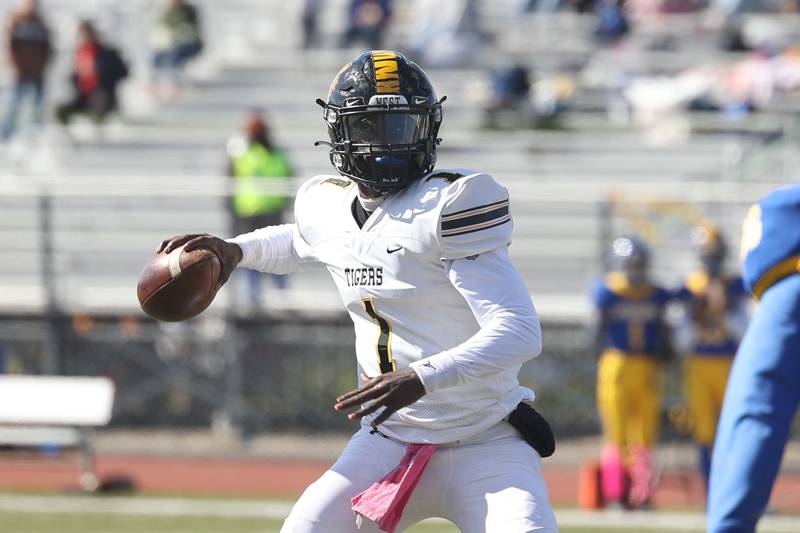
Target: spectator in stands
x=514, y=101
x=310, y=22
x=261, y=174
x=444, y=29
x=541, y=6
x=509, y=92
x=29, y=49
x=582, y=6
x=612, y=24
x=367, y=22
x=98, y=69
x=714, y=323
x=633, y=342
x=177, y=40
x=732, y=37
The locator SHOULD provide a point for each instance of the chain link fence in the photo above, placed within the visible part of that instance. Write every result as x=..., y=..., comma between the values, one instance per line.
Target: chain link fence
x=266, y=374
x=271, y=374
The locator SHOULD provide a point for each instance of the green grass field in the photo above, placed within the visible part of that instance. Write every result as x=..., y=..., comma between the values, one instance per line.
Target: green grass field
x=108, y=523
x=62, y=513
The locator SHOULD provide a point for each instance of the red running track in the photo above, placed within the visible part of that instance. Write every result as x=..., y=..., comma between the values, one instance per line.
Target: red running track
x=287, y=478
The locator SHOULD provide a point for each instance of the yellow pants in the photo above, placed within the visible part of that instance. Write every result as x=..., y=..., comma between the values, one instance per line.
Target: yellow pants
x=629, y=399
x=705, y=379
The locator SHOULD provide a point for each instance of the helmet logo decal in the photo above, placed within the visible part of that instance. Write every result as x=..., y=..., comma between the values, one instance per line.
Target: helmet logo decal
x=333, y=83
x=386, y=77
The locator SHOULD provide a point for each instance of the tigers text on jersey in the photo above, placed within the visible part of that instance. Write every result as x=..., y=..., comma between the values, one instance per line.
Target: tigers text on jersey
x=392, y=276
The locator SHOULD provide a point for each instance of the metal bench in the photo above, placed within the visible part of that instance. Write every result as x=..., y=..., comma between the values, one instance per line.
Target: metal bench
x=38, y=411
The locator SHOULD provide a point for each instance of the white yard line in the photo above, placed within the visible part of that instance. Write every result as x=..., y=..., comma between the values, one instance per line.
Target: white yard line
x=631, y=521
x=144, y=506
x=677, y=521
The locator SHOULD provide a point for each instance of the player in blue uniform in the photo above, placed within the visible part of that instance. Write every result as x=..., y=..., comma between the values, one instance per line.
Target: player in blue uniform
x=764, y=386
x=708, y=336
x=633, y=341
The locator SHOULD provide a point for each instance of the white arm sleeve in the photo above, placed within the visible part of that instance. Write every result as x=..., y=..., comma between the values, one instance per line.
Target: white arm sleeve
x=509, y=334
x=274, y=249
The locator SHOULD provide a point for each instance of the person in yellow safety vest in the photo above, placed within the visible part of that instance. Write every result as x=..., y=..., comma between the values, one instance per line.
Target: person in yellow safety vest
x=262, y=178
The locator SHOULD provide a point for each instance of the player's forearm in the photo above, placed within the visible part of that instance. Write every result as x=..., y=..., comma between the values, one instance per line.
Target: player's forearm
x=502, y=343
x=509, y=333
x=269, y=249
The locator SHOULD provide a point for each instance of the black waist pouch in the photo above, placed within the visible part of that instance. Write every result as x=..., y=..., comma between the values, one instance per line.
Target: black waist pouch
x=534, y=429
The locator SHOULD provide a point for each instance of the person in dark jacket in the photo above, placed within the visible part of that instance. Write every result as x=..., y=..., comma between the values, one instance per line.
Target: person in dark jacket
x=611, y=24
x=98, y=69
x=177, y=40
x=29, y=50
x=367, y=22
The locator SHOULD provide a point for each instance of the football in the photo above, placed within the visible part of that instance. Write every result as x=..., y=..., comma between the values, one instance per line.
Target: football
x=179, y=285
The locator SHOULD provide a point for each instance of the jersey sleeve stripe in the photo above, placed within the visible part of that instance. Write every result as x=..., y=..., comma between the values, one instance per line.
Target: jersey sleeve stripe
x=476, y=218
x=475, y=210
x=476, y=227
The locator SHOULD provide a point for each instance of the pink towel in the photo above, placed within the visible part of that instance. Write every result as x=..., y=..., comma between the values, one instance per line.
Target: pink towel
x=384, y=501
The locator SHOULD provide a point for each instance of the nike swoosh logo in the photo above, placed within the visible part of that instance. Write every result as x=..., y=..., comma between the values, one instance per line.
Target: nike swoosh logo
x=393, y=250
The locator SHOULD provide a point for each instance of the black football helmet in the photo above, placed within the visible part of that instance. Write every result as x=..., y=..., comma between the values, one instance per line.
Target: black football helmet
x=383, y=119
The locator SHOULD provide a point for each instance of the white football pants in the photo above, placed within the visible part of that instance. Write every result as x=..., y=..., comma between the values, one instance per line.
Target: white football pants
x=489, y=483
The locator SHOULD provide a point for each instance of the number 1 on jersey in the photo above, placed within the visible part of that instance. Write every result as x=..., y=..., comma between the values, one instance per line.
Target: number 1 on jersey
x=384, y=346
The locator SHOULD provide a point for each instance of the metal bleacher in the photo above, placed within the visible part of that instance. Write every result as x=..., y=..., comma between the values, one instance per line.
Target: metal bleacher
x=112, y=196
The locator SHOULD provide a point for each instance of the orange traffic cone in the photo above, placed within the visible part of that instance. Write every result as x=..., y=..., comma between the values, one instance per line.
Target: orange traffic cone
x=589, y=492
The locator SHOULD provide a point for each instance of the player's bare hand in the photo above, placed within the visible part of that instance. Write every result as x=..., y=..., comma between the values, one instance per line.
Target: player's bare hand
x=229, y=253
x=393, y=391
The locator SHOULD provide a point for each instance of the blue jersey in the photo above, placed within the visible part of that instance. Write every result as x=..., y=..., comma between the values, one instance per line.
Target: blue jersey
x=634, y=314
x=716, y=336
x=771, y=239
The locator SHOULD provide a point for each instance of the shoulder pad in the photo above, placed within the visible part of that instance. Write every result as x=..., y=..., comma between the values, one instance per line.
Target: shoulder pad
x=602, y=295
x=449, y=177
x=475, y=217
x=337, y=182
x=313, y=199
x=697, y=282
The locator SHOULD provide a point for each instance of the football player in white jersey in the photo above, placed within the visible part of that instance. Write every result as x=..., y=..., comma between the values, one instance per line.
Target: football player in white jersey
x=443, y=320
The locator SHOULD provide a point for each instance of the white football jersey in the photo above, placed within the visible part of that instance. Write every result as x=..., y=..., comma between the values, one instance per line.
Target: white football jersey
x=392, y=279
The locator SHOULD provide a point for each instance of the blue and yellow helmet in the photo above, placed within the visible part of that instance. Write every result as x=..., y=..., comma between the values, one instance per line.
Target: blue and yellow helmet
x=630, y=255
x=711, y=248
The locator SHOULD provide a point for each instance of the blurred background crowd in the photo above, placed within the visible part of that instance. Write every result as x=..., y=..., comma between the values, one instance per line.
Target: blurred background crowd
x=127, y=122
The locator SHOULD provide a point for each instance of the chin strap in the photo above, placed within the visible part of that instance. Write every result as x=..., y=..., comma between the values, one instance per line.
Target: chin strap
x=370, y=204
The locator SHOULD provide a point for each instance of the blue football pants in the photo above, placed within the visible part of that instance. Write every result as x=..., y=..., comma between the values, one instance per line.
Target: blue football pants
x=760, y=402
